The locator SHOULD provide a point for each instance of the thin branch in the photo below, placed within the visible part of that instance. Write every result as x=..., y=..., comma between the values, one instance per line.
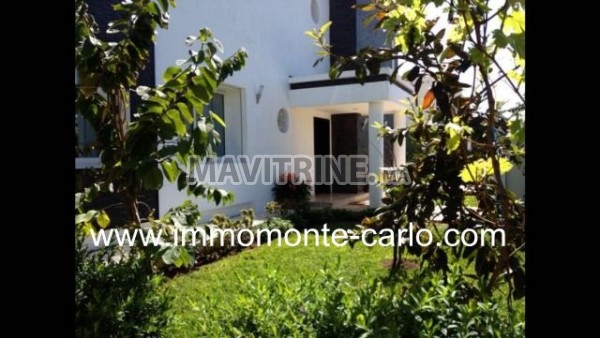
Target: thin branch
x=515, y=88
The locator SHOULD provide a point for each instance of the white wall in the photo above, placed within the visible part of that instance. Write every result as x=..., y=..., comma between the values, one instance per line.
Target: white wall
x=272, y=32
x=302, y=121
x=514, y=181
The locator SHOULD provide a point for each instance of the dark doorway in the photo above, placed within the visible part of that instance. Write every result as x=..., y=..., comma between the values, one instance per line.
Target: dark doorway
x=345, y=131
x=321, y=142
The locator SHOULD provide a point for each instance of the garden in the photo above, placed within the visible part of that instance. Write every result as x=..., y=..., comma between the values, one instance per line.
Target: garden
x=464, y=140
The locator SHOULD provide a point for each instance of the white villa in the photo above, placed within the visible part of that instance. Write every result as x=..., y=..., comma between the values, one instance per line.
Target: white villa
x=279, y=103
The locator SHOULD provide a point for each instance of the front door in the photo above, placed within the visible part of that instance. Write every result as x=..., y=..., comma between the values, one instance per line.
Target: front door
x=321, y=144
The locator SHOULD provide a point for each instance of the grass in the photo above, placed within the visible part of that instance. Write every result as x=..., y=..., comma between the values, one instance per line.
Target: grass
x=218, y=283
x=219, y=280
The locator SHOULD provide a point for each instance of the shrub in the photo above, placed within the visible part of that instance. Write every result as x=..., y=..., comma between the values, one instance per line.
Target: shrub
x=299, y=221
x=325, y=305
x=221, y=244
x=292, y=193
x=274, y=209
x=278, y=223
x=315, y=218
x=117, y=299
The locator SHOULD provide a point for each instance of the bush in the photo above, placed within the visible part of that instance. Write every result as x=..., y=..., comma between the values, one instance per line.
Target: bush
x=274, y=209
x=292, y=193
x=117, y=299
x=203, y=254
x=278, y=223
x=317, y=217
x=326, y=305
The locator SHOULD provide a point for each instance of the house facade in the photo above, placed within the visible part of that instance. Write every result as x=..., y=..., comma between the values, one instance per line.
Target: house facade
x=279, y=104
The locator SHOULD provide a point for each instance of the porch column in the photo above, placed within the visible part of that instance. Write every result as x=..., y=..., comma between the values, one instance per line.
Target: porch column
x=375, y=152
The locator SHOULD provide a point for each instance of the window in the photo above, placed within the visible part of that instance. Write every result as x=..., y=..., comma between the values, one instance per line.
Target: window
x=85, y=138
x=217, y=106
x=86, y=153
x=227, y=104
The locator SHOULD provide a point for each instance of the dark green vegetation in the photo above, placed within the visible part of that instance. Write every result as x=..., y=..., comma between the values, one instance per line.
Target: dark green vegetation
x=331, y=292
x=464, y=137
x=124, y=299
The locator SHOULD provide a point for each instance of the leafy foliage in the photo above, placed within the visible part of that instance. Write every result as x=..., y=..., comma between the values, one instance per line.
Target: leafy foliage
x=279, y=223
x=315, y=218
x=212, y=241
x=465, y=137
x=117, y=298
x=166, y=136
x=326, y=305
x=274, y=208
x=291, y=192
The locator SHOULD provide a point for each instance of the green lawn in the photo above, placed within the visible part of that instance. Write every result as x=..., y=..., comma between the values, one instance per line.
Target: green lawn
x=201, y=294
x=218, y=281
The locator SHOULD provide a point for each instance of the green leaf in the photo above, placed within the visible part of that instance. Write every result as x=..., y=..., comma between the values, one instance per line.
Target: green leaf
x=182, y=181
x=478, y=170
x=80, y=218
x=88, y=50
x=87, y=228
x=455, y=135
x=448, y=53
x=217, y=196
x=226, y=196
x=477, y=57
x=365, y=7
x=178, y=256
x=164, y=5
x=175, y=116
x=205, y=34
x=152, y=178
x=500, y=39
x=517, y=131
x=334, y=72
x=440, y=35
x=153, y=8
x=103, y=219
x=171, y=72
x=311, y=34
x=517, y=41
x=515, y=22
x=90, y=215
x=474, y=171
x=152, y=107
x=185, y=112
x=218, y=119
x=505, y=165
x=324, y=28
x=200, y=91
x=171, y=169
